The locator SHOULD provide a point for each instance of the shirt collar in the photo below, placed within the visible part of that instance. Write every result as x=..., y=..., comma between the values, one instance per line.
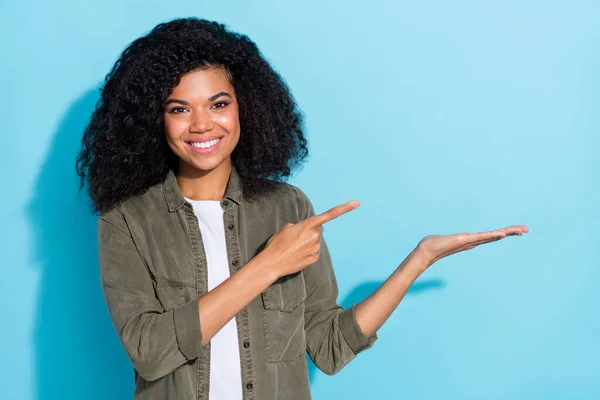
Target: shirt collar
x=175, y=199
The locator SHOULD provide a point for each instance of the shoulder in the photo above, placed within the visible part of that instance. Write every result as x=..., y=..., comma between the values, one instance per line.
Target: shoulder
x=286, y=196
x=289, y=191
x=151, y=202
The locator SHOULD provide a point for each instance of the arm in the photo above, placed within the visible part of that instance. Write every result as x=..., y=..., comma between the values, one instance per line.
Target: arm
x=221, y=304
x=373, y=311
x=157, y=342
x=333, y=336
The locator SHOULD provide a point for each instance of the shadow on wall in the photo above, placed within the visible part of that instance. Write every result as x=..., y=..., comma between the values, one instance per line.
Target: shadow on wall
x=77, y=353
x=361, y=292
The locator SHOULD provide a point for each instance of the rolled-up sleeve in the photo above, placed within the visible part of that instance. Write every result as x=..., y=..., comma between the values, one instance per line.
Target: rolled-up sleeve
x=156, y=341
x=333, y=336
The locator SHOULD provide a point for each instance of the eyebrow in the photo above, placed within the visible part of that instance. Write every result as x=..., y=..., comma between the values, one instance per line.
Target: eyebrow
x=185, y=103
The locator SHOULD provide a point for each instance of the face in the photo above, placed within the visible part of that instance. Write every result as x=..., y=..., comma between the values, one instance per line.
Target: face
x=201, y=120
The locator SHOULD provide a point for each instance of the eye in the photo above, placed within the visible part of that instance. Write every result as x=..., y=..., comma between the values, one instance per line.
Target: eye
x=176, y=110
x=220, y=104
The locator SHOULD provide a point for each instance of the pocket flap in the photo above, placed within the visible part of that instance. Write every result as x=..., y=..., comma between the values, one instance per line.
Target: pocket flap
x=285, y=294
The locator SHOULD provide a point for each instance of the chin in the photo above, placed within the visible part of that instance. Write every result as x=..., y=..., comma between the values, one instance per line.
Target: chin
x=204, y=165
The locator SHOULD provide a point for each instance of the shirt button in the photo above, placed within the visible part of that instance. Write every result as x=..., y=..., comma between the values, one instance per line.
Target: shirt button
x=249, y=386
x=246, y=345
x=234, y=262
x=231, y=226
x=225, y=202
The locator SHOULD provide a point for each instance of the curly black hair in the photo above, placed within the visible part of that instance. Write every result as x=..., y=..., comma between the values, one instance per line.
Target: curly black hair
x=124, y=149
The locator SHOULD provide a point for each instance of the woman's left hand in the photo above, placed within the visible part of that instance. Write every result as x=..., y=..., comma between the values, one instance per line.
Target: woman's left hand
x=436, y=247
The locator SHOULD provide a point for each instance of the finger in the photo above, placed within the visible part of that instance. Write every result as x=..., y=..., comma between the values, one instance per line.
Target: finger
x=468, y=246
x=332, y=213
x=513, y=229
x=462, y=239
x=483, y=236
x=507, y=231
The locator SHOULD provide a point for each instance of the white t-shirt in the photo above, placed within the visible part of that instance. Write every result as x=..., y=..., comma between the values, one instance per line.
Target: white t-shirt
x=225, y=366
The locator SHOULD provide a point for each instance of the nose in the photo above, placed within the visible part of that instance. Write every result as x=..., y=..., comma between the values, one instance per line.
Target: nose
x=202, y=122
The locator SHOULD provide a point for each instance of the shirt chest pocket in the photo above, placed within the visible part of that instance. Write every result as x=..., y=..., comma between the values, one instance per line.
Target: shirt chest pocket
x=283, y=318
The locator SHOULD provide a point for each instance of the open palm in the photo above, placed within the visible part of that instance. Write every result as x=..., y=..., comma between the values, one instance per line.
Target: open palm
x=435, y=247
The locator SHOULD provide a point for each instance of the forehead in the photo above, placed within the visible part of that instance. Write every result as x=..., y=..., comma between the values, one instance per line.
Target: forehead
x=203, y=83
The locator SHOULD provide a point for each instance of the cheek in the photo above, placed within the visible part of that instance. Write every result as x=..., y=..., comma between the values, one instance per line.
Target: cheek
x=173, y=128
x=232, y=121
x=227, y=121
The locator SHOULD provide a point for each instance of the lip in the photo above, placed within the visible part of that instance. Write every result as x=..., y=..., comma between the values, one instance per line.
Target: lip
x=208, y=150
x=202, y=140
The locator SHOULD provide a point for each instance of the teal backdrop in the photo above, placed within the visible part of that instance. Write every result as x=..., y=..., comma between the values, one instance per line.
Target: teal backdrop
x=440, y=117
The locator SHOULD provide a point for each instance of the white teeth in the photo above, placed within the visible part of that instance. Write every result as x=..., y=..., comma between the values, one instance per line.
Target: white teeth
x=205, y=145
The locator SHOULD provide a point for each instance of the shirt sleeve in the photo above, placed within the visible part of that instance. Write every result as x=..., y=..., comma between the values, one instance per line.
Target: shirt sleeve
x=333, y=337
x=156, y=341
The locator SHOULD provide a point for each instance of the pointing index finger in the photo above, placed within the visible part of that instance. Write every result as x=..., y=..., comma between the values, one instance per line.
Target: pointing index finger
x=332, y=213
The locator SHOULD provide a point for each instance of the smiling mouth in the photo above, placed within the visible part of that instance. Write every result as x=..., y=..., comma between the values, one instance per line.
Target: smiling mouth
x=205, y=146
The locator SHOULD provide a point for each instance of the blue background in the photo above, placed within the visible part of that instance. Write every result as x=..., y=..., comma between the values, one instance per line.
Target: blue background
x=440, y=117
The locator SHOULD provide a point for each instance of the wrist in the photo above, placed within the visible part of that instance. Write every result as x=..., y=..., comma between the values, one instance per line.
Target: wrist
x=416, y=262
x=264, y=267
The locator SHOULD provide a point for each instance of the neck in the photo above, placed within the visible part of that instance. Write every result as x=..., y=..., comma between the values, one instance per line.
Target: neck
x=198, y=184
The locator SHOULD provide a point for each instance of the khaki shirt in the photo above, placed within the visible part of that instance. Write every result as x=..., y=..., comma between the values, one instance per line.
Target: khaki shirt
x=153, y=270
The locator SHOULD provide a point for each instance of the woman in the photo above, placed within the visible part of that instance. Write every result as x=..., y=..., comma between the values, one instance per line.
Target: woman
x=214, y=270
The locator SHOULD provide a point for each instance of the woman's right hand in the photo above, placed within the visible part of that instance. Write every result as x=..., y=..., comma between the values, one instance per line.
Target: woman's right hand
x=296, y=246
